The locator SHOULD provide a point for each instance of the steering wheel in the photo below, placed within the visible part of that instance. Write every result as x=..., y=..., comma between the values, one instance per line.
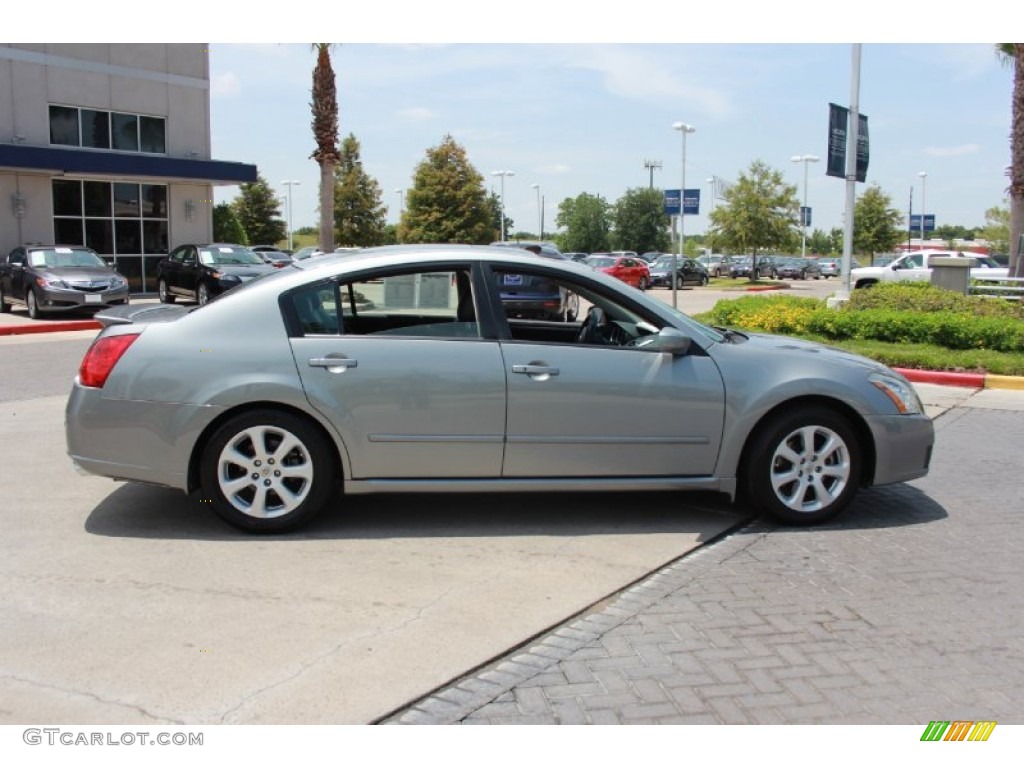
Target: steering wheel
x=594, y=320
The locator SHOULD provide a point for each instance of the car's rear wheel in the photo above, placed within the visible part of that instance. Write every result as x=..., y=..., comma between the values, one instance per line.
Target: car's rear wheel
x=642, y=284
x=203, y=295
x=33, y=305
x=804, y=466
x=267, y=471
x=703, y=280
x=166, y=297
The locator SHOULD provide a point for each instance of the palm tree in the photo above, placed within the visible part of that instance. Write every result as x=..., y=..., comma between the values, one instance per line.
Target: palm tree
x=325, y=131
x=1013, y=54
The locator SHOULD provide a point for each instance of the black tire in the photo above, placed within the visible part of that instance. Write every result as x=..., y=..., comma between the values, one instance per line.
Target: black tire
x=33, y=305
x=823, y=484
x=703, y=280
x=203, y=295
x=260, y=498
x=642, y=285
x=4, y=306
x=166, y=297
x=680, y=281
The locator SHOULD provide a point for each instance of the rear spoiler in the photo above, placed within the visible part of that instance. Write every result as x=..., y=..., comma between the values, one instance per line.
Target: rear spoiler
x=140, y=313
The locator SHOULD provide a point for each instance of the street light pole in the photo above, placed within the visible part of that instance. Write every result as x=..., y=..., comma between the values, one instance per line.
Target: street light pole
x=805, y=159
x=683, y=129
x=923, y=175
x=503, y=174
x=289, y=184
x=540, y=214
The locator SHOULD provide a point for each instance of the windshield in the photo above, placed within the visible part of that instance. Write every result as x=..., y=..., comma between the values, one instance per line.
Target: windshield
x=604, y=261
x=65, y=257
x=227, y=254
x=665, y=262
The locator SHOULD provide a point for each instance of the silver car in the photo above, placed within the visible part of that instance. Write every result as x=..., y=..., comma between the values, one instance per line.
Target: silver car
x=399, y=369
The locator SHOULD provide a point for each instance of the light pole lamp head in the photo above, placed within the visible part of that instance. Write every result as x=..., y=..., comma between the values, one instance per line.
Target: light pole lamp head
x=805, y=158
x=922, y=174
x=684, y=127
x=503, y=173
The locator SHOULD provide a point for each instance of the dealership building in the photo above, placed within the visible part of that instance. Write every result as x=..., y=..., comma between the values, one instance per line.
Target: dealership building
x=108, y=146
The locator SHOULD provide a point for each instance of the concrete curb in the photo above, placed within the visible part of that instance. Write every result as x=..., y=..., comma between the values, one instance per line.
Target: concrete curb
x=54, y=327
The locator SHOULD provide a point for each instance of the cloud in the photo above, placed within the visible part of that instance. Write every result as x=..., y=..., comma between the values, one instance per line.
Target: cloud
x=559, y=168
x=416, y=114
x=653, y=77
x=225, y=85
x=963, y=149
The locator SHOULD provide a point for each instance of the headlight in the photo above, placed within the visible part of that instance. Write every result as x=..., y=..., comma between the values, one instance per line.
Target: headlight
x=118, y=282
x=899, y=391
x=50, y=282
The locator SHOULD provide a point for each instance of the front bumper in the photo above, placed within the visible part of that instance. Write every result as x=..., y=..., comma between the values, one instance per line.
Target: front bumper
x=67, y=299
x=904, y=447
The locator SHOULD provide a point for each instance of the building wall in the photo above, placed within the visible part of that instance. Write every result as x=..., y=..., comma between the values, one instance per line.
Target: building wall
x=159, y=80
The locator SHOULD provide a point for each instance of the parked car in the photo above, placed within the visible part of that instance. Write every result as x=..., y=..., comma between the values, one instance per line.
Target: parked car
x=797, y=268
x=688, y=271
x=271, y=255
x=743, y=266
x=916, y=266
x=307, y=252
x=716, y=264
x=833, y=267
x=532, y=296
x=264, y=402
x=59, y=278
x=538, y=247
x=200, y=273
x=575, y=255
x=630, y=270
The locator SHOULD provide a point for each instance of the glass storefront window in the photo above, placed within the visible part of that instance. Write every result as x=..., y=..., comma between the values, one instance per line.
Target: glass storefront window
x=95, y=129
x=97, y=198
x=126, y=200
x=64, y=126
x=99, y=235
x=128, y=236
x=126, y=131
x=67, y=198
x=67, y=231
x=151, y=133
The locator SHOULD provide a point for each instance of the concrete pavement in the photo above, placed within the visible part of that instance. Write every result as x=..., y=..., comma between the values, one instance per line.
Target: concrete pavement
x=904, y=610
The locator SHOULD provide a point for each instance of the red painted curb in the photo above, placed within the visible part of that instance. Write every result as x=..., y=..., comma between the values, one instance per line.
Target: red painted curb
x=948, y=378
x=67, y=325
x=765, y=288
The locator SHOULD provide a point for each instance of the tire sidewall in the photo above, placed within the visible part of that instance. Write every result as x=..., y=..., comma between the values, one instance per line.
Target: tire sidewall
x=325, y=470
x=757, y=483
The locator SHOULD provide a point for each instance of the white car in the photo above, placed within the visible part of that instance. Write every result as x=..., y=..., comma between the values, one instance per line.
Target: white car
x=917, y=266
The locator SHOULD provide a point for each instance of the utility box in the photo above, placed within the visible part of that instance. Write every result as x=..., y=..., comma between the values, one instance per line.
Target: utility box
x=952, y=272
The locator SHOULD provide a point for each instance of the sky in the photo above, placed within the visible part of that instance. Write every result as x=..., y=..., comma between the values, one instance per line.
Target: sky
x=576, y=102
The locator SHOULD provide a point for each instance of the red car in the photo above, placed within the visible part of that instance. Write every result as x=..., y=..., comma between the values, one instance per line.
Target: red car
x=629, y=269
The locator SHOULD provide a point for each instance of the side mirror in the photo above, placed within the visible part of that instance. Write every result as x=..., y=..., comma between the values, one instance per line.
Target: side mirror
x=668, y=340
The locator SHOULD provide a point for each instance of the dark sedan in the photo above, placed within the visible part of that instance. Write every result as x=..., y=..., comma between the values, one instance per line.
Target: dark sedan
x=688, y=271
x=272, y=255
x=743, y=266
x=798, y=268
x=202, y=272
x=58, y=278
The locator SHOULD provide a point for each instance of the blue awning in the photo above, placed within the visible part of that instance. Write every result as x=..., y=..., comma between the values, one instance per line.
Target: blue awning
x=85, y=162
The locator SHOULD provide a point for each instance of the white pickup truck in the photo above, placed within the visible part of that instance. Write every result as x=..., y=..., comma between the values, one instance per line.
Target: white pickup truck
x=916, y=265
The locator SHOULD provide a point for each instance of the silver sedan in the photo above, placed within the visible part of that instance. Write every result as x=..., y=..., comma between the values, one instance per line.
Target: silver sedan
x=401, y=370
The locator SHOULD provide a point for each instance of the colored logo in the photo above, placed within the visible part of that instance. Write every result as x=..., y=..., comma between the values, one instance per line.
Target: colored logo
x=958, y=730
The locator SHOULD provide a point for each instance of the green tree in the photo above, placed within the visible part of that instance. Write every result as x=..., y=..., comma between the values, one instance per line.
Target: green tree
x=586, y=219
x=226, y=227
x=359, y=214
x=760, y=213
x=997, y=228
x=877, y=226
x=259, y=212
x=494, y=205
x=835, y=236
x=820, y=243
x=1013, y=55
x=640, y=221
x=325, y=132
x=447, y=202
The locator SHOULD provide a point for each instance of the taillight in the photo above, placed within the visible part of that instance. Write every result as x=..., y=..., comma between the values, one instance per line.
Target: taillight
x=101, y=358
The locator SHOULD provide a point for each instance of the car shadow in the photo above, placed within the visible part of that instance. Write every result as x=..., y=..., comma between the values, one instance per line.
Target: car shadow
x=140, y=511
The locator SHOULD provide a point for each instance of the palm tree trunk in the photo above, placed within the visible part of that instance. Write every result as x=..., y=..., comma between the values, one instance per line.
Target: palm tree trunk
x=1017, y=164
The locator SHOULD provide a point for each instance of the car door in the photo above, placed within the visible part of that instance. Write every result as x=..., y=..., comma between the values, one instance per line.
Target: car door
x=403, y=372
x=17, y=270
x=592, y=410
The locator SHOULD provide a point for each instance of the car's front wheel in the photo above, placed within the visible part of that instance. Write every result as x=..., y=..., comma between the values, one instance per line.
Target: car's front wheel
x=804, y=466
x=166, y=297
x=642, y=284
x=267, y=471
x=203, y=295
x=33, y=305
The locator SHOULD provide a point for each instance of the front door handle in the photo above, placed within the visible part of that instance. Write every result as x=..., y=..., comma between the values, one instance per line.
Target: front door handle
x=536, y=372
x=334, y=363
